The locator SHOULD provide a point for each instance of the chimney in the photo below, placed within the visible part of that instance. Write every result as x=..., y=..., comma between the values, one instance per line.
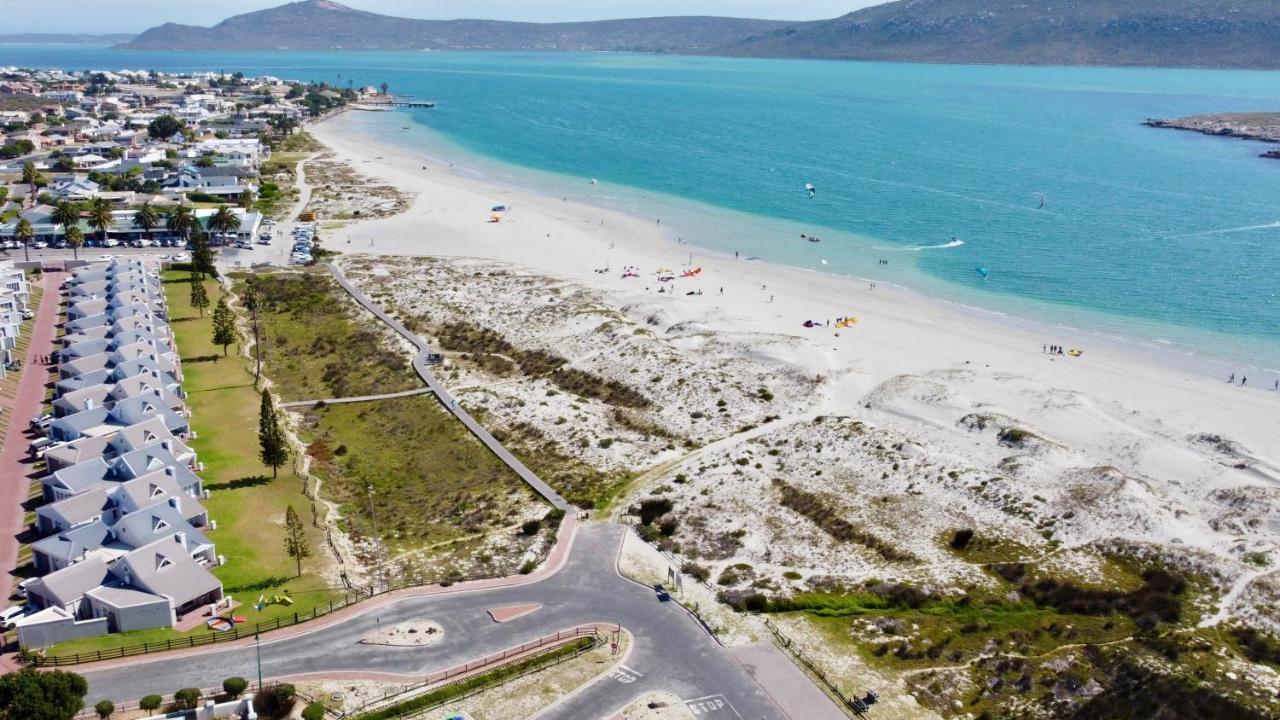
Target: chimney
x=180, y=538
x=88, y=403
x=175, y=502
x=166, y=444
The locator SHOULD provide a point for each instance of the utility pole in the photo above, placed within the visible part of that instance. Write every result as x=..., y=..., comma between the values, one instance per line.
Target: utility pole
x=257, y=644
x=373, y=517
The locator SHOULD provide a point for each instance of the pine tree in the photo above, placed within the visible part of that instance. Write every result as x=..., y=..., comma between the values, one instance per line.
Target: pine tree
x=295, y=538
x=199, y=297
x=274, y=451
x=224, y=325
x=202, y=255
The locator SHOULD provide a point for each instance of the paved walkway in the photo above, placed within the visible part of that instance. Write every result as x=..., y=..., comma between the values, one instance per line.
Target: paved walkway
x=790, y=688
x=362, y=398
x=16, y=471
x=448, y=401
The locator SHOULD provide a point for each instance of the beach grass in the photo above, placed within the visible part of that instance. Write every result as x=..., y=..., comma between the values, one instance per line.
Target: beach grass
x=247, y=503
x=320, y=345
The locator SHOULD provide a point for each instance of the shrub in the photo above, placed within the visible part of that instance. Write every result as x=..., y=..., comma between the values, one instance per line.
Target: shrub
x=815, y=508
x=528, y=567
x=531, y=527
x=554, y=516
x=187, y=698
x=104, y=708
x=314, y=711
x=960, y=538
x=150, y=703
x=653, y=508
x=234, y=686
x=668, y=526
x=276, y=701
x=695, y=571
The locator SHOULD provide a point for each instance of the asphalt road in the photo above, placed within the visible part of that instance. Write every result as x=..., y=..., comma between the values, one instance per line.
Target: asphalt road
x=671, y=651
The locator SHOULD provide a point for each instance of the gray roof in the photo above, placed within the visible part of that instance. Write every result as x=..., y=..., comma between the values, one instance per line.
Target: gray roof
x=122, y=597
x=71, y=545
x=78, y=508
x=79, y=478
x=166, y=568
x=147, y=432
x=153, y=522
x=71, y=583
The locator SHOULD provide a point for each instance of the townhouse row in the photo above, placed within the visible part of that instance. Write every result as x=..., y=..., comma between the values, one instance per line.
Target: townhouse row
x=123, y=532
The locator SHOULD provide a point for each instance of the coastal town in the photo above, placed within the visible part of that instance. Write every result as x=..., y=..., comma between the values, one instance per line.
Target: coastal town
x=298, y=423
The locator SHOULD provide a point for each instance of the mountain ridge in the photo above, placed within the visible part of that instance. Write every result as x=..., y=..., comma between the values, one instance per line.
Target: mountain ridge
x=1156, y=33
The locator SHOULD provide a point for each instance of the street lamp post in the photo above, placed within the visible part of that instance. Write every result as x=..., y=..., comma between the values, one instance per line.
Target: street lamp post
x=257, y=644
x=373, y=517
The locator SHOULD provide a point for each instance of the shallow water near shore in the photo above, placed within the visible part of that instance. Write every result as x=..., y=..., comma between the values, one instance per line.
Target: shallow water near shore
x=1164, y=238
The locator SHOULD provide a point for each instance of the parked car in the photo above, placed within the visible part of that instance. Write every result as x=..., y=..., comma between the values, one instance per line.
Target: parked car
x=106, y=258
x=38, y=447
x=141, y=243
x=21, y=590
x=41, y=421
x=11, y=615
x=110, y=242
x=40, y=245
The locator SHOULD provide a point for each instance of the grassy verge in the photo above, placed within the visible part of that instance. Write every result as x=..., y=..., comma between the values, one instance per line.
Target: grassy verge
x=247, y=502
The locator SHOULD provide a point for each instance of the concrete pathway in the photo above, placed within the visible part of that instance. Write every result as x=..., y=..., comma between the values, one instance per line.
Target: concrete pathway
x=362, y=398
x=16, y=468
x=786, y=684
x=447, y=400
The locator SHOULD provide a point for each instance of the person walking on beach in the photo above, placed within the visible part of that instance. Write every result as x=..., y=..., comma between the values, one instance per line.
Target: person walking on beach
x=1232, y=379
x=1243, y=380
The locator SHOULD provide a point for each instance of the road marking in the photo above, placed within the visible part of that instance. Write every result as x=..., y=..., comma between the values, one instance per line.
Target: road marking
x=637, y=673
x=622, y=676
x=713, y=706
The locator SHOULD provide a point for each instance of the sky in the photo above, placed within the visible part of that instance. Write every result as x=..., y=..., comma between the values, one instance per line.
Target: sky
x=125, y=16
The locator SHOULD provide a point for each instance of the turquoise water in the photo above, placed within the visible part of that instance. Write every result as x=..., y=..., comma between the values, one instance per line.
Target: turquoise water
x=1158, y=236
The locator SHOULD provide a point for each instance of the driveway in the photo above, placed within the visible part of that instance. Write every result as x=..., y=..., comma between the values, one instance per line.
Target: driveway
x=671, y=651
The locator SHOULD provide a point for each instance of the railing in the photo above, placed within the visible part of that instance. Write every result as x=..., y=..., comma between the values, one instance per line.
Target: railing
x=193, y=641
x=350, y=597
x=488, y=663
x=847, y=704
x=165, y=701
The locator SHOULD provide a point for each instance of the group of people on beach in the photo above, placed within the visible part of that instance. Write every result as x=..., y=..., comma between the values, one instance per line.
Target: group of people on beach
x=1244, y=380
x=1054, y=350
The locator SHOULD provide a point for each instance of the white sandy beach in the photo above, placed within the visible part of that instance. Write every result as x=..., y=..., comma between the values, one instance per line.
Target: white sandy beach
x=1170, y=457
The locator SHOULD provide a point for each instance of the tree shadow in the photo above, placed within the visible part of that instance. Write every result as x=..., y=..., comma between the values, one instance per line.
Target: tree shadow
x=202, y=358
x=238, y=483
x=264, y=584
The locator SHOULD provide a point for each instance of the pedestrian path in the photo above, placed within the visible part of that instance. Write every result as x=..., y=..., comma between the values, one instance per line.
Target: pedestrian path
x=362, y=398
x=15, y=465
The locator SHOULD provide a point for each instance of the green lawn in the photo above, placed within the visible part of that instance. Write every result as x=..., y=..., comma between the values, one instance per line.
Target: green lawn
x=246, y=502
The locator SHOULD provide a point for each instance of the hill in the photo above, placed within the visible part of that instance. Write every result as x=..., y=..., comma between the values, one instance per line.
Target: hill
x=62, y=39
x=1166, y=33
x=326, y=25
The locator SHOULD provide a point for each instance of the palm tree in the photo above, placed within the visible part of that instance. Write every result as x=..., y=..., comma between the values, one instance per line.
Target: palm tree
x=182, y=221
x=25, y=233
x=146, y=218
x=224, y=221
x=75, y=238
x=100, y=218
x=66, y=214
x=30, y=176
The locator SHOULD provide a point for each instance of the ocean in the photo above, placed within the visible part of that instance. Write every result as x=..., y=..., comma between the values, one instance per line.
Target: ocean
x=1165, y=239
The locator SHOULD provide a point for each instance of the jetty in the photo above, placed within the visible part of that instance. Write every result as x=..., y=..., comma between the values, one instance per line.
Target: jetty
x=389, y=104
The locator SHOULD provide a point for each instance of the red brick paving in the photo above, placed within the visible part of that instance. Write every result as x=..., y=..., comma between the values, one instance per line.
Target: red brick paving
x=511, y=612
x=15, y=466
